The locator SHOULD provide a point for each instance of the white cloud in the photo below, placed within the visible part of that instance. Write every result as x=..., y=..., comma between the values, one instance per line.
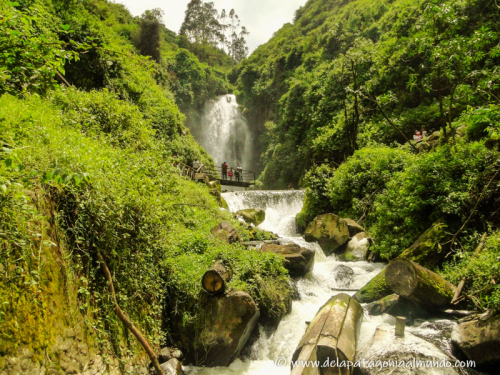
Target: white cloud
x=261, y=17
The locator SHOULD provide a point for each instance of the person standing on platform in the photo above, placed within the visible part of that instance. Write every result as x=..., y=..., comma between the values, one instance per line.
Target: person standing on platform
x=230, y=173
x=224, y=170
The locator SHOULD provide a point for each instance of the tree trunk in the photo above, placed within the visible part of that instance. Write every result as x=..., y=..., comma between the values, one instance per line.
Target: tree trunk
x=412, y=281
x=331, y=336
x=215, y=279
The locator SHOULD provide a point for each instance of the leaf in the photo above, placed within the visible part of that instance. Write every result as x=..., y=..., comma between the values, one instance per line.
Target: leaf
x=65, y=27
x=3, y=188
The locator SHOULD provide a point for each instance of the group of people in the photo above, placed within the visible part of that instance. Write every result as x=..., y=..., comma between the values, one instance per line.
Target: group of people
x=228, y=171
x=418, y=136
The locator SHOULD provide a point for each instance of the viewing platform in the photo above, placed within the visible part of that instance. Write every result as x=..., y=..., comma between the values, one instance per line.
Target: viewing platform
x=203, y=173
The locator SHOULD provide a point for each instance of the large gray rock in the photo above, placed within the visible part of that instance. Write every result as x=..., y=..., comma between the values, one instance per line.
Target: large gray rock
x=385, y=346
x=329, y=230
x=298, y=260
x=479, y=341
x=343, y=276
x=226, y=231
x=172, y=367
x=357, y=248
x=228, y=321
x=252, y=215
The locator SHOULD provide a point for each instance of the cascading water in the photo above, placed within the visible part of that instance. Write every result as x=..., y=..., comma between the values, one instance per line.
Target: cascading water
x=224, y=133
x=314, y=289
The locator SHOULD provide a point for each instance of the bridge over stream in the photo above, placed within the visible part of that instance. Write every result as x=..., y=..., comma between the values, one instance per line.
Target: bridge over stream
x=204, y=173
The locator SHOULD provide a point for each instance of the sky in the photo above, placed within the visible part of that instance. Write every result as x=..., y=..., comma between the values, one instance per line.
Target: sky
x=261, y=17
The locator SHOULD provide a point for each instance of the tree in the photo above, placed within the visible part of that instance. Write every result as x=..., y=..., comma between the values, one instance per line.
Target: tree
x=149, y=39
x=204, y=25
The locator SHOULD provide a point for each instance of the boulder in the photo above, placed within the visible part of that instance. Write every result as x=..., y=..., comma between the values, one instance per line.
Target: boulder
x=165, y=355
x=427, y=249
x=383, y=305
x=374, y=290
x=226, y=231
x=227, y=323
x=343, y=276
x=172, y=367
x=357, y=248
x=479, y=341
x=252, y=215
x=353, y=227
x=329, y=230
x=404, y=351
x=298, y=260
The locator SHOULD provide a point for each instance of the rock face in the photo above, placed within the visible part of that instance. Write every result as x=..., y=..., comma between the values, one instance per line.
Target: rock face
x=357, y=248
x=252, y=216
x=298, y=260
x=374, y=290
x=384, y=346
x=228, y=322
x=479, y=341
x=343, y=276
x=226, y=231
x=353, y=227
x=329, y=230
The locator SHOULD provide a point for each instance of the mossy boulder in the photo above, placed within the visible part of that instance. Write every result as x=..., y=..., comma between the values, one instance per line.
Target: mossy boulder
x=374, y=290
x=298, y=260
x=226, y=231
x=252, y=215
x=427, y=249
x=226, y=324
x=329, y=230
x=479, y=340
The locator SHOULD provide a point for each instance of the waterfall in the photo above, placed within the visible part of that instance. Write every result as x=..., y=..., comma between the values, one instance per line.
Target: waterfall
x=224, y=133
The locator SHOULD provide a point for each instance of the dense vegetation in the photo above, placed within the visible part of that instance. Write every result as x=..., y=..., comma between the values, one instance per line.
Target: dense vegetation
x=347, y=85
x=89, y=133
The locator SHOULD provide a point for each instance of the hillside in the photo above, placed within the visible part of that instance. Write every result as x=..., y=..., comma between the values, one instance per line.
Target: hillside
x=348, y=74
x=90, y=132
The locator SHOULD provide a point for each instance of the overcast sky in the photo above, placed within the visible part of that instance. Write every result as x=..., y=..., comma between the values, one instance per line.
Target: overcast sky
x=261, y=17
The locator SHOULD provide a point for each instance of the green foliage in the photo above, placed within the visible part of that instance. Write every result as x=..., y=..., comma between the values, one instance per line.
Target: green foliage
x=31, y=52
x=351, y=74
x=480, y=272
x=445, y=183
x=149, y=40
x=118, y=197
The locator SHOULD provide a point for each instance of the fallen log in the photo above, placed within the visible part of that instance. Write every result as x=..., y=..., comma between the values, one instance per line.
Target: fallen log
x=412, y=281
x=215, y=279
x=331, y=336
x=374, y=290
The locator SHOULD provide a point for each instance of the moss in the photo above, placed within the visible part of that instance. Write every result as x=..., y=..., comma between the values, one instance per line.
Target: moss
x=374, y=290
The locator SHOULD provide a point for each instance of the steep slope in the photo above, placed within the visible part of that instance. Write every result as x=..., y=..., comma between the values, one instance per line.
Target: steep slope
x=347, y=74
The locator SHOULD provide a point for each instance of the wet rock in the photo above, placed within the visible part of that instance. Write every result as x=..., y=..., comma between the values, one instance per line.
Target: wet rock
x=343, y=276
x=165, y=355
x=176, y=353
x=294, y=290
x=226, y=231
x=353, y=227
x=228, y=321
x=374, y=290
x=172, y=367
x=385, y=346
x=329, y=230
x=357, y=248
x=298, y=260
x=479, y=341
x=252, y=215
